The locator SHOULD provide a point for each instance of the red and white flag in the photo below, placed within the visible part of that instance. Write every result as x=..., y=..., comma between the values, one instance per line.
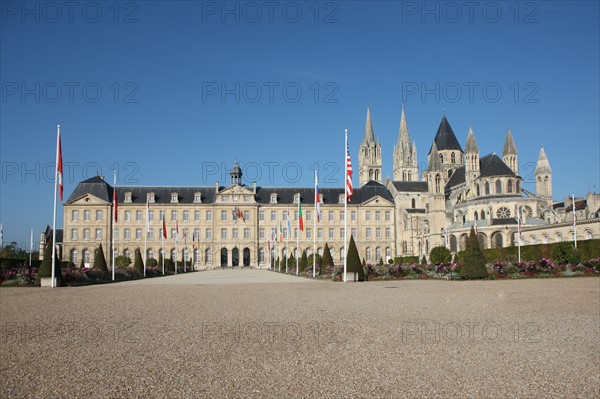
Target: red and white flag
x=115, y=202
x=317, y=198
x=59, y=165
x=349, y=188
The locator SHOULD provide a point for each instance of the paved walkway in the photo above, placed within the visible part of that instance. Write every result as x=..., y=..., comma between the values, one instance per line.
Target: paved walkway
x=227, y=276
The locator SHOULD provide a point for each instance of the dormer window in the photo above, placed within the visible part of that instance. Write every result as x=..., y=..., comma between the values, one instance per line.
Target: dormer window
x=224, y=198
x=128, y=198
x=273, y=198
x=341, y=198
x=150, y=198
x=197, y=198
x=174, y=198
x=296, y=198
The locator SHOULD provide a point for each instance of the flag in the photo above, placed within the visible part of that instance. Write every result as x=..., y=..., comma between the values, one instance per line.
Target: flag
x=115, y=204
x=289, y=232
x=300, y=221
x=280, y=232
x=59, y=166
x=164, y=229
x=317, y=198
x=239, y=214
x=176, y=231
x=147, y=216
x=349, y=188
x=1, y=236
x=574, y=213
x=476, y=230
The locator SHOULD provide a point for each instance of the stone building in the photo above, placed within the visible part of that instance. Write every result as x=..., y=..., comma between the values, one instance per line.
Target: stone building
x=236, y=224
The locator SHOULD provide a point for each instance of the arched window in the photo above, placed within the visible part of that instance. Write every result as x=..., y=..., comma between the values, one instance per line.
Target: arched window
x=261, y=255
x=498, y=187
x=476, y=216
x=453, y=158
x=518, y=187
x=413, y=203
x=482, y=215
x=437, y=183
x=442, y=158
x=368, y=255
x=478, y=192
x=487, y=188
x=74, y=256
x=377, y=254
x=510, y=186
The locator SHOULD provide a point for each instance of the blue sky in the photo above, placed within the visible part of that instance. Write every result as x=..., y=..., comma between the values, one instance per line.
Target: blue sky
x=171, y=93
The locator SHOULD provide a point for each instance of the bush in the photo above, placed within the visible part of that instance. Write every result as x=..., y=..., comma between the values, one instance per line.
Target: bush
x=409, y=260
x=439, y=255
x=122, y=261
x=151, y=262
x=138, y=265
x=353, y=264
x=473, y=262
x=303, y=262
x=100, y=261
x=45, y=269
x=562, y=252
x=327, y=259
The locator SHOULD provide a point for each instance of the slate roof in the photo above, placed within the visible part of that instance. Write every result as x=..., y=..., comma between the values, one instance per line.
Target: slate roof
x=445, y=139
x=489, y=166
x=162, y=194
x=497, y=222
x=411, y=186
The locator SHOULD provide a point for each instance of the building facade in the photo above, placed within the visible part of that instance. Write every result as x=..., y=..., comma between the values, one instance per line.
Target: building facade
x=240, y=225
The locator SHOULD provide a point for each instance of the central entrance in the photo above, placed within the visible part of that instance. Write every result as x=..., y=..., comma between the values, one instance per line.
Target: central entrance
x=246, y=256
x=235, y=257
x=223, y=257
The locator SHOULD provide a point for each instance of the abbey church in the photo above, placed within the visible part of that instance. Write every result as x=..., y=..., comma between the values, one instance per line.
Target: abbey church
x=238, y=225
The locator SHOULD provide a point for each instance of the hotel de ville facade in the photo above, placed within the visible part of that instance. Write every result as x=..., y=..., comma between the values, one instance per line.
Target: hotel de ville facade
x=238, y=225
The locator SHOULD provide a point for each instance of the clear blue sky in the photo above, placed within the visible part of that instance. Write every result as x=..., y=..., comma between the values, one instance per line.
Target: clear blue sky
x=167, y=92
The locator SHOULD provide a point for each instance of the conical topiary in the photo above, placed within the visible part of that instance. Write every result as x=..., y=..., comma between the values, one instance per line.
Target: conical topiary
x=327, y=259
x=100, y=261
x=291, y=263
x=303, y=261
x=353, y=264
x=138, y=264
x=473, y=262
x=45, y=269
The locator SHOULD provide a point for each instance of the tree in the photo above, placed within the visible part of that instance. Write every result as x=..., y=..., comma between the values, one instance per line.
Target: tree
x=353, y=264
x=45, y=269
x=82, y=263
x=473, y=265
x=291, y=262
x=303, y=261
x=12, y=251
x=309, y=262
x=100, y=261
x=364, y=263
x=277, y=264
x=122, y=261
x=138, y=265
x=327, y=259
x=439, y=255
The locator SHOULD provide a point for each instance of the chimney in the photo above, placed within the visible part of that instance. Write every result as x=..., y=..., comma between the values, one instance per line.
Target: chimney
x=254, y=187
x=217, y=187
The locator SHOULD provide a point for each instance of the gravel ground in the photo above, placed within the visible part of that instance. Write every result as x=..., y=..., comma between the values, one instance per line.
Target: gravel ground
x=536, y=338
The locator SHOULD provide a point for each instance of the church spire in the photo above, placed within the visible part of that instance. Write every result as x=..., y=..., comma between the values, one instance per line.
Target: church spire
x=543, y=176
x=471, y=146
x=509, y=154
x=405, y=155
x=435, y=164
x=403, y=136
x=543, y=165
x=369, y=136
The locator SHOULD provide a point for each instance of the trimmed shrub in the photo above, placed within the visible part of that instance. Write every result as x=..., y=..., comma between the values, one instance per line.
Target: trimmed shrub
x=138, y=265
x=473, y=263
x=100, y=261
x=45, y=269
x=353, y=264
x=122, y=261
x=327, y=259
x=303, y=261
x=151, y=262
x=439, y=255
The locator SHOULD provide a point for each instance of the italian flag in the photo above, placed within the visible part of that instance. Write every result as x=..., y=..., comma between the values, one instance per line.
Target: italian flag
x=300, y=221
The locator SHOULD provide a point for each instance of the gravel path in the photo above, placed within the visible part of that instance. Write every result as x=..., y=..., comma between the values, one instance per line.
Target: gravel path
x=296, y=338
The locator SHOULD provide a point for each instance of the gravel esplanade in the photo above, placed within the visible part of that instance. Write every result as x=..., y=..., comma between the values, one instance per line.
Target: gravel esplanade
x=260, y=334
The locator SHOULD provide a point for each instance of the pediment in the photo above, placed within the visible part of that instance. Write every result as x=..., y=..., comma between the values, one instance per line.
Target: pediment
x=377, y=201
x=88, y=199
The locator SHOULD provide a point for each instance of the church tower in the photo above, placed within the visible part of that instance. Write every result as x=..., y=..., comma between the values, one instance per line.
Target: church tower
x=543, y=176
x=449, y=150
x=405, y=155
x=509, y=154
x=471, y=158
x=369, y=155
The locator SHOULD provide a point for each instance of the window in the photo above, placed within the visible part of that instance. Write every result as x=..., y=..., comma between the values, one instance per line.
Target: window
x=138, y=216
x=174, y=234
x=478, y=191
x=151, y=234
x=128, y=216
x=285, y=233
x=196, y=234
x=285, y=216
x=86, y=234
x=150, y=198
x=273, y=199
x=273, y=215
x=127, y=198
x=86, y=216
x=138, y=234
x=160, y=233
x=197, y=198
x=98, y=234
x=186, y=216
x=342, y=215
x=261, y=215
x=452, y=158
x=509, y=187
x=296, y=198
x=261, y=233
x=196, y=215
x=127, y=234
x=209, y=234
x=261, y=255
x=341, y=198
x=320, y=233
x=309, y=233
x=151, y=216
x=387, y=216
x=498, y=187
x=368, y=233
x=487, y=188
x=331, y=233
x=503, y=213
x=246, y=215
x=368, y=216
x=330, y=216
x=342, y=254
x=368, y=255
x=377, y=216
x=246, y=198
x=127, y=253
x=353, y=216
x=442, y=158
x=173, y=215
x=308, y=215
x=377, y=253
x=74, y=235
x=73, y=256
x=296, y=232
x=208, y=255
x=588, y=235
x=150, y=253
x=378, y=232
x=353, y=232
x=74, y=216
x=246, y=233
x=545, y=239
x=86, y=256
x=342, y=232
x=223, y=215
x=174, y=198
x=208, y=216
x=223, y=234
x=413, y=203
x=388, y=253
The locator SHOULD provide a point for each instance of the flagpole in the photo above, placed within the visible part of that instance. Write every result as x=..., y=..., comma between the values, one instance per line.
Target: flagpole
x=519, y=232
x=345, y=198
x=315, y=216
x=298, y=237
x=114, y=222
x=52, y=284
x=146, y=237
x=574, y=222
x=176, y=244
x=287, y=238
x=30, y=247
x=164, y=232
